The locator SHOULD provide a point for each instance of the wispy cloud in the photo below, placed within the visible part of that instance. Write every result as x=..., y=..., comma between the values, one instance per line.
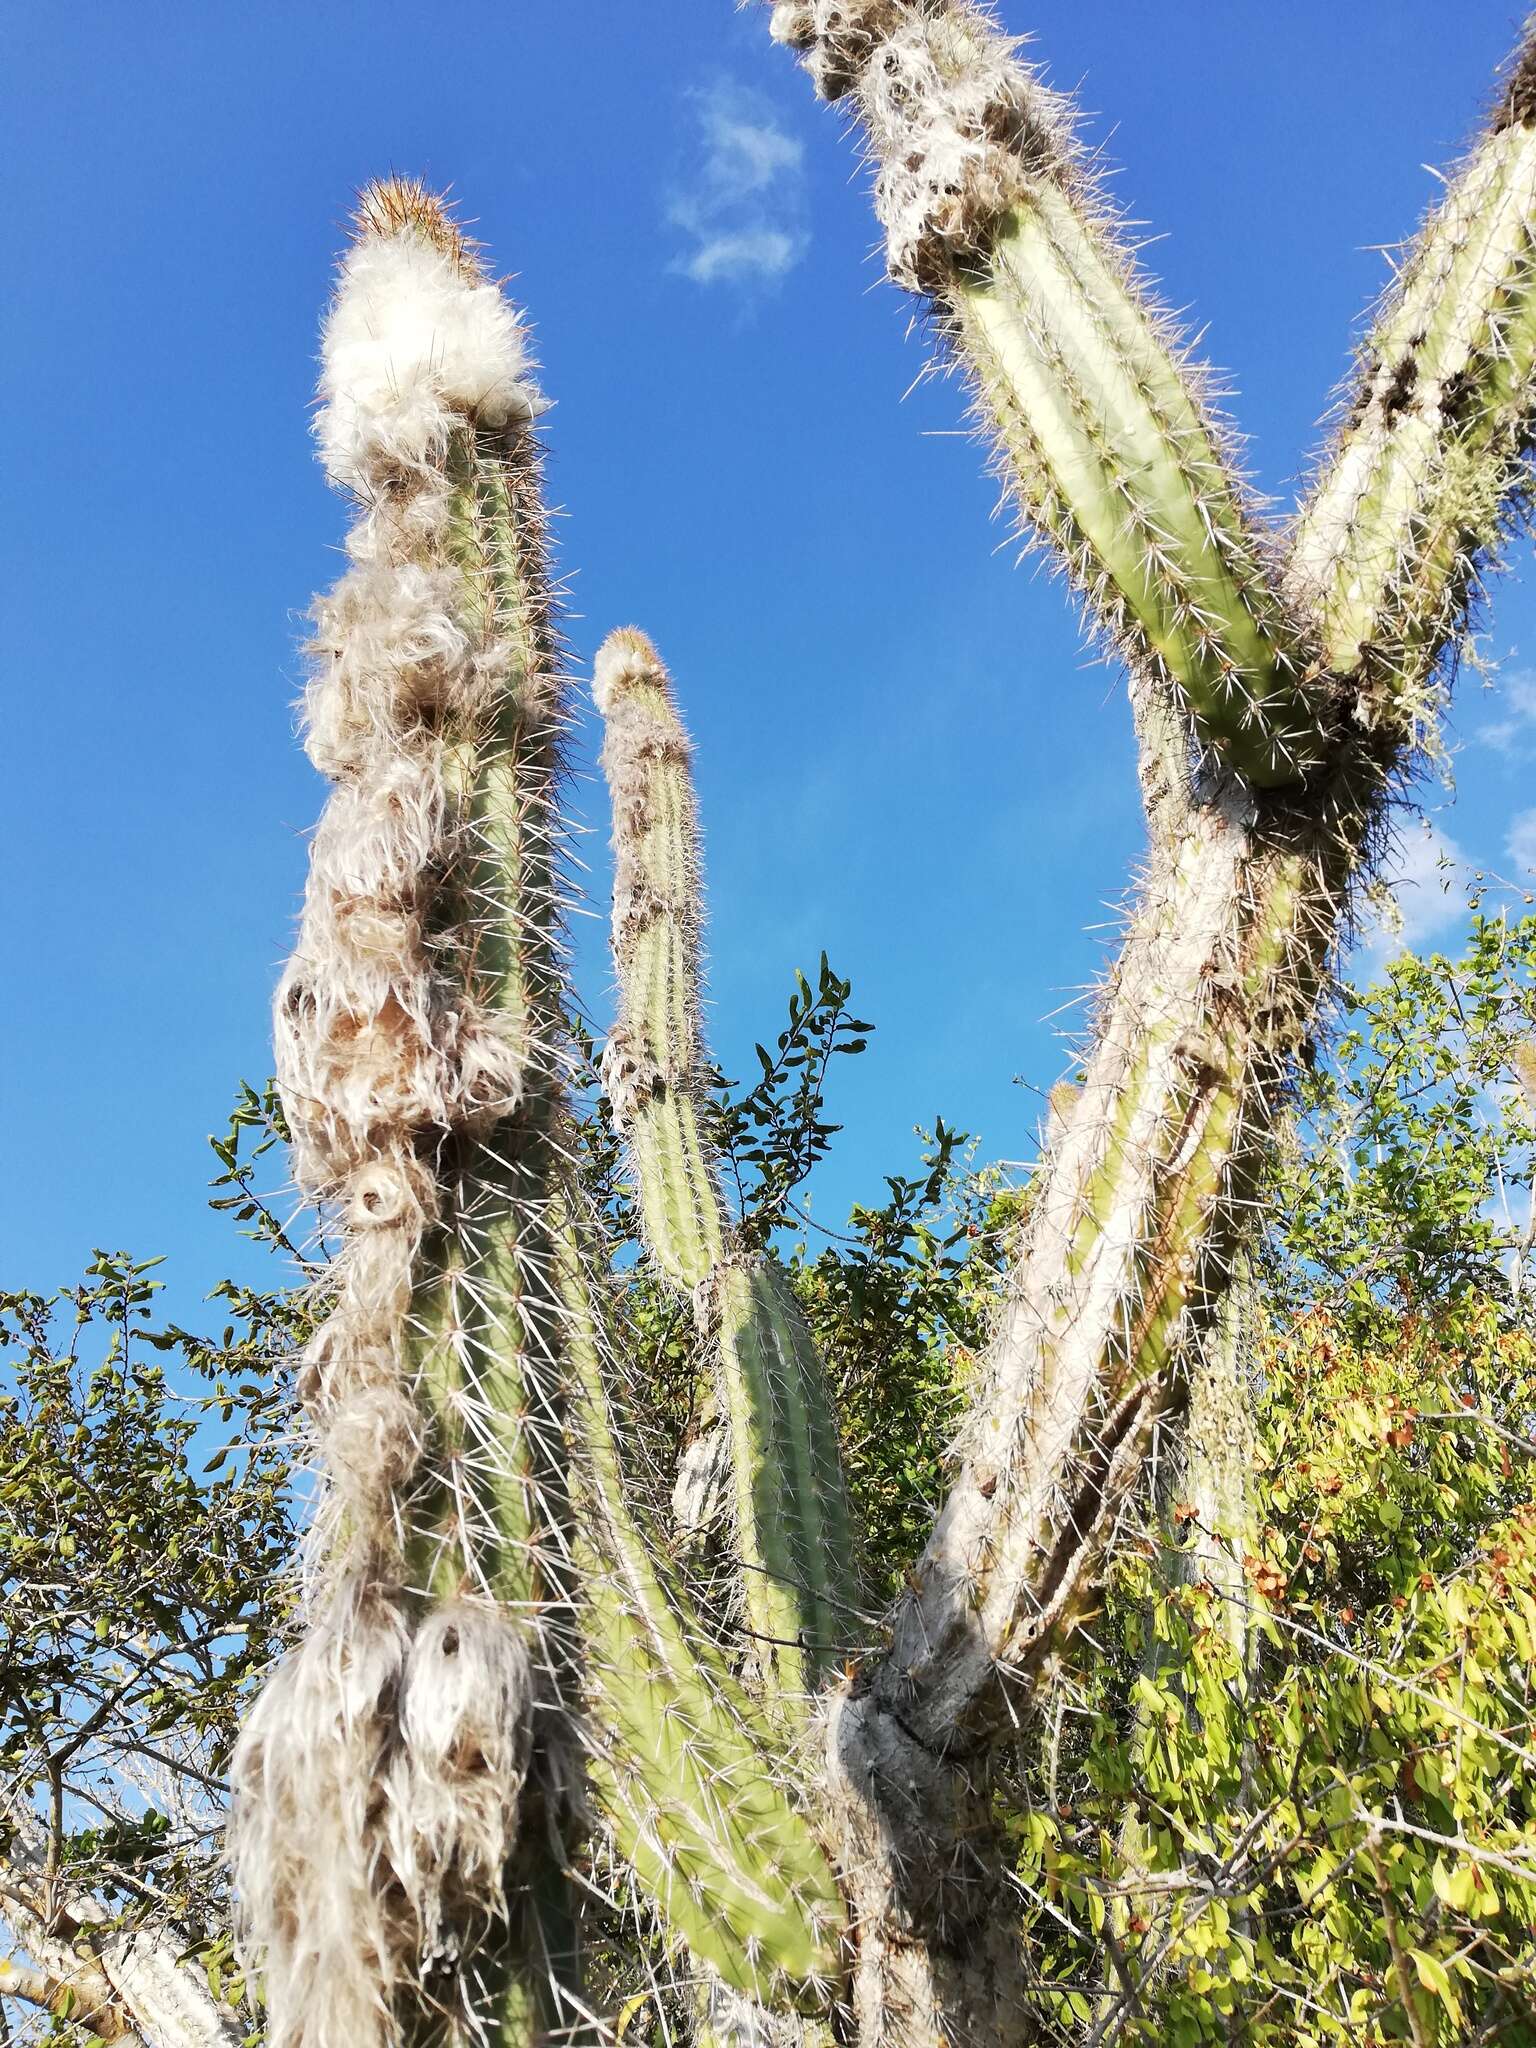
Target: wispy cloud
x=1420, y=898
x=743, y=208
x=1513, y=731
x=1521, y=843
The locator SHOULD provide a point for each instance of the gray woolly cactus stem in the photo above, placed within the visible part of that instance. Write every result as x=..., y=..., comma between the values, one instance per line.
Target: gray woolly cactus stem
x=990, y=212
x=378, y=1813
x=792, y=1530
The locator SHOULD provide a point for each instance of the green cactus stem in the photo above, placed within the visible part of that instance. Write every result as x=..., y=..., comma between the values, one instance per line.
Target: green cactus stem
x=793, y=1535
x=689, y=1774
x=991, y=214
x=1133, y=1220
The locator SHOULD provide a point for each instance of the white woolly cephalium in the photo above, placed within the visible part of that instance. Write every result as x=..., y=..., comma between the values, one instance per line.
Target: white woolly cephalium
x=387, y=648
x=375, y=1806
x=412, y=344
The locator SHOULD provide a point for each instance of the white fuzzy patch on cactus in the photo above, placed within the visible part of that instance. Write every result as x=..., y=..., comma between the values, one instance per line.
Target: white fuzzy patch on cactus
x=411, y=346
x=306, y=1841
x=626, y=657
x=953, y=122
x=466, y=1713
x=375, y=1791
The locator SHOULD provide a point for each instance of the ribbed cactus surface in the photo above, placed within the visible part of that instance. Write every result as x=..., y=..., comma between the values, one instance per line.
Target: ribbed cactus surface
x=793, y=1533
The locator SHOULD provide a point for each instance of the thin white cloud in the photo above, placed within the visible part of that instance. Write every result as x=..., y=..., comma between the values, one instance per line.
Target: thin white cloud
x=1513, y=732
x=749, y=252
x=1521, y=843
x=1420, y=896
x=744, y=206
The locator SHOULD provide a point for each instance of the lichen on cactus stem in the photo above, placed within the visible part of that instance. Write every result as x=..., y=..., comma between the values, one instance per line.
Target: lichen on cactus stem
x=384, y=1778
x=991, y=214
x=792, y=1530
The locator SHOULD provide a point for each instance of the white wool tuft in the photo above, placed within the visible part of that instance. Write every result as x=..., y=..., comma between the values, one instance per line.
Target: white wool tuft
x=372, y=1444
x=387, y=649
x=625, y=658
x=411, y=345
x=305, y=1843
x=466, y=1714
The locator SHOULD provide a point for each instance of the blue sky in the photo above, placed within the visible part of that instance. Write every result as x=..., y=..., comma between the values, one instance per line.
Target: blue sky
x=904, y=755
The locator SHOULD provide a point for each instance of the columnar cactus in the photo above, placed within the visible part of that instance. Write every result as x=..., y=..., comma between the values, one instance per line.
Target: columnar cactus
x=496, y=1615
x=793, y=1541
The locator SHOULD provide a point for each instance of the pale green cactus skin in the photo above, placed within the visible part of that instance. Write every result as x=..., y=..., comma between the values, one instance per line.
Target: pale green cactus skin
x=687, y=1769
x=1115, y=463
x=793, y=1532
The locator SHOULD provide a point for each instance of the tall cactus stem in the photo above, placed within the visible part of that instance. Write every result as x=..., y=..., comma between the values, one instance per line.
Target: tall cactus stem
x=654, y=1062
x=383, y=1779
x=793, y=1532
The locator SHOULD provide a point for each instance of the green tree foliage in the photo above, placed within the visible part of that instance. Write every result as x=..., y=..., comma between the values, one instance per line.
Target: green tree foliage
x=1337, y=1822
x=1335, y=1834
x=148, y=1522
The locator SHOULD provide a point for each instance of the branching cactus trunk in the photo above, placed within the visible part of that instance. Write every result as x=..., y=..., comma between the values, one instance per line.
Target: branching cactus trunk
x=503, y=1655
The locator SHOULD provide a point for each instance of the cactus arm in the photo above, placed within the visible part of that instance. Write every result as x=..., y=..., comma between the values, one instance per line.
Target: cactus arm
x=1386, y=549
x=683, y=1765
x=654, y=1061
x=991, y=215
x=793, y=1533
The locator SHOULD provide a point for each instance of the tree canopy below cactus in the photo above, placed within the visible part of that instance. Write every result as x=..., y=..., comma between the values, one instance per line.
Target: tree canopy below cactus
x=1396, y=1576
